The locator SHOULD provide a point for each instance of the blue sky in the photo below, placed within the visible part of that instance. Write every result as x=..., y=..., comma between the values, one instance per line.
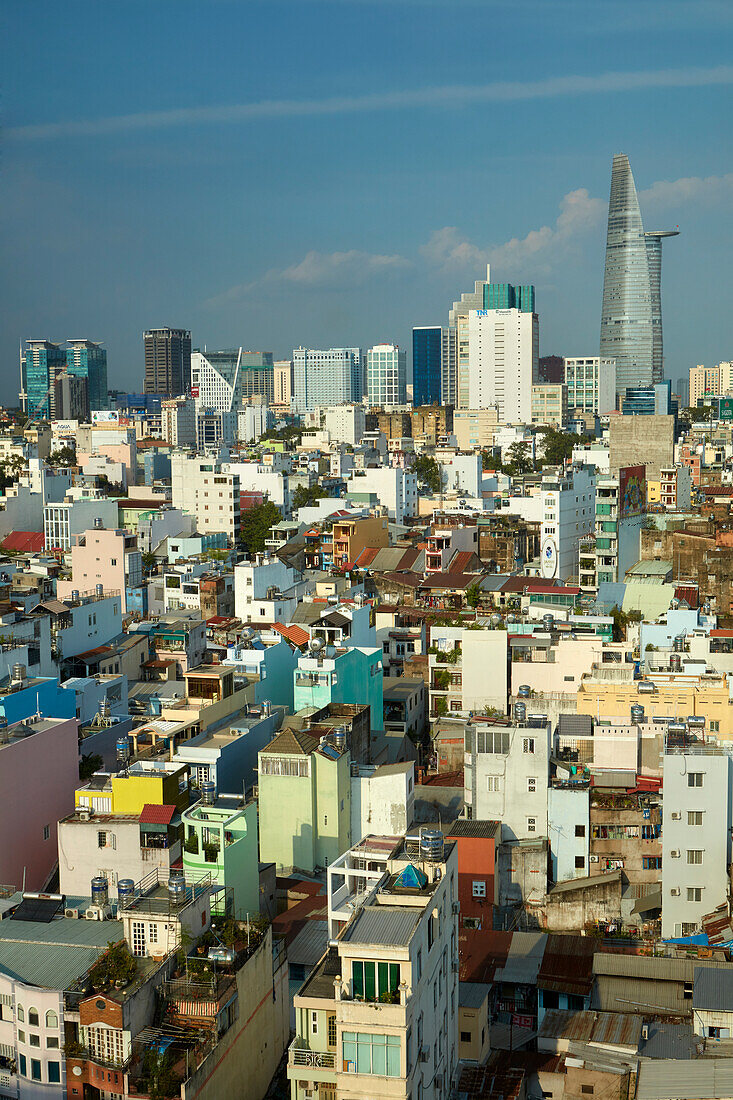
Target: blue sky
x=277, y=173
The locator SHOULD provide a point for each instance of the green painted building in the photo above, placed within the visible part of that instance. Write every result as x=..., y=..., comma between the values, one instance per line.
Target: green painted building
x=220, y=839
x=304, y=801
x=338, y=676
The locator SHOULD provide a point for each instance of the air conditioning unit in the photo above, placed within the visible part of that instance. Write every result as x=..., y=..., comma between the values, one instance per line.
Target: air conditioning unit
x=456, y=965
x=74, y=914
x=676, y=816
x=424, y=1054
x=98, y=912
x=455, y=908
x=675, y=891
x=85, y=813
x=675, y=853
x=593, y=859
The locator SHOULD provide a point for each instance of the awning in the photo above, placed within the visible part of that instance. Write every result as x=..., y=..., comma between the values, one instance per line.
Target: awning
x=157, y=815
x=648, y=902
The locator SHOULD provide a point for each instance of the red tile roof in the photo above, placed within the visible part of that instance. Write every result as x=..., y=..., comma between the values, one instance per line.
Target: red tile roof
x=367, y=556
x=689, y=593
x=293, y=633
x=460, y=561
x=24, y=541
x=157, y=815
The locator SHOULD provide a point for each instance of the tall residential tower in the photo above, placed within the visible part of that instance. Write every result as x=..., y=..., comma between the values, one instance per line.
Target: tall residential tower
x=167, y=361
x=631, y=317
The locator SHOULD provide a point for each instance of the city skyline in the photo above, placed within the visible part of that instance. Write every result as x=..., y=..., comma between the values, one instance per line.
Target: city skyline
x=174, y=202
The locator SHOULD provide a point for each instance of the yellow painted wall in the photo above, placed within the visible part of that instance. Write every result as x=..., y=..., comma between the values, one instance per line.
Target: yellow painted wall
x=605, y=701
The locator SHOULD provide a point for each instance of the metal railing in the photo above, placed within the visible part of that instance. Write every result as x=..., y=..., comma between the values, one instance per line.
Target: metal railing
x=317, y=1059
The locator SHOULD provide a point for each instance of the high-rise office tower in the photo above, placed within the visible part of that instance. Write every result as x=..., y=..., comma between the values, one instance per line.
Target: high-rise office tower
x=324, y=378
x=631, y=317
x=503, y=354
x=222, y=380
x=386, y=375
x=456, y=370
x=426, y=364
x=86, y=359
x=40, y=366
x=167, y=361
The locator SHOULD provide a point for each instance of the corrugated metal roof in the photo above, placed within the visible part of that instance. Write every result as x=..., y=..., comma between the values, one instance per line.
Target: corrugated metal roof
x=308, y=946
x=53, y=955
x=618, y=1029
x=472, y=994
x=575, y=725
x=669, y=1040
x=672, y=1079
x=473, y=828
x=524, y=959
x=713, y=989
x=383, y=924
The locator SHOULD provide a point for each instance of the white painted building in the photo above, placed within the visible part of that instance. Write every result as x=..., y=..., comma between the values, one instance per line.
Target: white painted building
x=253, y=421
x=568, y=513
x=260, y=477
x=325, y=378
x=382, y=799
x=591, y=383
x=206, y=489
x=696, y=837
x=503, y=360
x=506, y=777
x=386, y=369
x=345, y=423
x=395, y=488
x=178, y=422
x=462, y=683
x=265, y=590
x=462, y=473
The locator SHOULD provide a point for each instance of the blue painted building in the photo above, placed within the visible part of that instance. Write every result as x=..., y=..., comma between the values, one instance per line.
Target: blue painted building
x=426, y=364
x=41, y=694
x=156, y=467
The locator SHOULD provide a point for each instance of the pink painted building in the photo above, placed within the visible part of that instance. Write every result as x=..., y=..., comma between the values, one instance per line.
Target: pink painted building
x=39, y=772
x=103, y=556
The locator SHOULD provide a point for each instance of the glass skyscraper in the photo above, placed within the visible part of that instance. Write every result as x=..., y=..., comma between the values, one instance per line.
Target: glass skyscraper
x=426, y=363
x=631, y=317
x=86, y=359
x=40, y=366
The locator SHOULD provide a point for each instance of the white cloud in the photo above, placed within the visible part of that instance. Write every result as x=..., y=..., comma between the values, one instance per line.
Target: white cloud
x=321, y=271
x=441, y=96
x=668, y=194
x=579, y=212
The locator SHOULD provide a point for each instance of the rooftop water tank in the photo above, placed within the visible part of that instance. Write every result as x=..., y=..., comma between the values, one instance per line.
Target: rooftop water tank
x=520, y=711
x=125, y=892
x=338, y=737
x=523, y=691
x=637, y=713
x=18, y=673
x=208, y=793
x=432, y=845
x=679, y=643
x=176, y=890
x=675, y=662
x=99, y=589
x=100, y=890
x=123, y=749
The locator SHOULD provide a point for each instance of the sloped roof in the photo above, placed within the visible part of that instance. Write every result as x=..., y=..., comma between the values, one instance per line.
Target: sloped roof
x=157, y=815
x=24, y=541
x=292, y=743
x=293, y=633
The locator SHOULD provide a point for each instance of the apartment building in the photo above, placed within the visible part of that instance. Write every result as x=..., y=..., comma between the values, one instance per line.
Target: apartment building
x=103, y=560
x=457, y=666
x=696, y=839
x=200, y=486
x=549, y=404
x=379, y=1014
x=506, y=776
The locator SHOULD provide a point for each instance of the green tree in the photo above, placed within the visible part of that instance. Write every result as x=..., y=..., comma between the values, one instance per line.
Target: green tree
x=306, y=495
x=149, y=561
x=428, y=472
x=66, y=456
x=520, y=461
x=473, y=595
x=255, y=526
x=557, y=446
x=89, y=764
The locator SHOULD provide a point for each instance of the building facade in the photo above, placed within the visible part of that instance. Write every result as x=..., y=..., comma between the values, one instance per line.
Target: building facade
x=323, y=378
x=503, y=355
x=427, y=344
x=591, y=383
x=167, y=361
x=386, y=369
x=88, y=360
x=631, y=316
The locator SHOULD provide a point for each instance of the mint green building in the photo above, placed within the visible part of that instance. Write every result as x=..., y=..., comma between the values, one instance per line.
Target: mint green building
x=341, y=676
x=304, y=801
x=220, y=839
